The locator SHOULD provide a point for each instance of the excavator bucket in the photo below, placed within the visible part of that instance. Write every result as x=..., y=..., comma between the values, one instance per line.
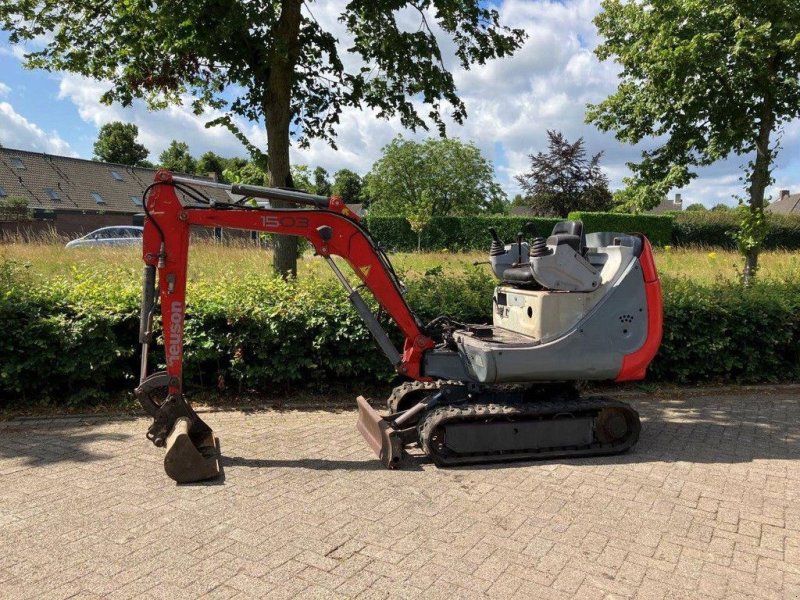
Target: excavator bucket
x=380, y=435
x=186, y=461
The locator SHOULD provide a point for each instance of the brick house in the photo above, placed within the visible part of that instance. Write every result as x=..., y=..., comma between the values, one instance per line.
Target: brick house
x=75, y=196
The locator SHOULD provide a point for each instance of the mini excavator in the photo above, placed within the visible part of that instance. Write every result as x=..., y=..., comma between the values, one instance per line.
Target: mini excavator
x=570, y=307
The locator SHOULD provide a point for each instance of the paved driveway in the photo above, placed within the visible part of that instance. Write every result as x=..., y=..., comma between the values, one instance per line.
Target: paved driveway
x=706, y=506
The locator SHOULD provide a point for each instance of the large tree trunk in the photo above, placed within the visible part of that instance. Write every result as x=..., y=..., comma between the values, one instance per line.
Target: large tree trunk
x=277, y=103
x=761, y=176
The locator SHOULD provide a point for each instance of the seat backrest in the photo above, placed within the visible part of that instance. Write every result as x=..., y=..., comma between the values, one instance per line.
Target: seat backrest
x=568, y=232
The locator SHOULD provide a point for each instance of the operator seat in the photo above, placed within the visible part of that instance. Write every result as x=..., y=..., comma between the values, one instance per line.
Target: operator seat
x=569, y=233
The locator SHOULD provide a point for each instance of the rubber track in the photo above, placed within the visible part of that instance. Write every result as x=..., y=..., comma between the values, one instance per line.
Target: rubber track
x=423, y=388
x=481, y=411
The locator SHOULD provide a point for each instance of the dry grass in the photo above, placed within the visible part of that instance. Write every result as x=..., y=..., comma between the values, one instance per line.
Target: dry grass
x=209, y=260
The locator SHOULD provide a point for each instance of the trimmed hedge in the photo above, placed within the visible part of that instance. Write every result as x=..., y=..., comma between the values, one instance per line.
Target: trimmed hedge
x=72, y=342
x=678, y=229
x=453, y=233
x=657, y=228
x=715, y=229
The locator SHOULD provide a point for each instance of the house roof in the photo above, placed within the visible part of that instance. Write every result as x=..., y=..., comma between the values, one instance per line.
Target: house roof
x=65, y=183
x=788, y=205
x=667, y=205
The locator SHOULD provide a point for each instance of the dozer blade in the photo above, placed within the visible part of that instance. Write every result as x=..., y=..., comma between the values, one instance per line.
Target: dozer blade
x=380, y=435
x=186, y=462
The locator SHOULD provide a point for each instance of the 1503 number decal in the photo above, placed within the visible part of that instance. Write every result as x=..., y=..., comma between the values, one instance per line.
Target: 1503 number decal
x=287, y=221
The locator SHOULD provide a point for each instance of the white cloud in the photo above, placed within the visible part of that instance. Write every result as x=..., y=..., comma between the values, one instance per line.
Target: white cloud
x=18, y=132
x=4, y=89
x=156, y=128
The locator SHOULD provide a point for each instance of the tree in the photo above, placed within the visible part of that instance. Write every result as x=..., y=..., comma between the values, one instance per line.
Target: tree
x=177, y=158
x=720, y=207
x=116, y=143
x=268, y=61
x=348, y=186
x=711, y=78
x=563, y=179
x=322, y=186
x=456, y=178
x=696, y=207
x=210, y=162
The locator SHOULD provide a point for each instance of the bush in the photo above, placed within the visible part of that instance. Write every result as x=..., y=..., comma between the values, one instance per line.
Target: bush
x=727, y=333
x=657, y=228
x=453, y=233
x=72, y=342
x=715, y=228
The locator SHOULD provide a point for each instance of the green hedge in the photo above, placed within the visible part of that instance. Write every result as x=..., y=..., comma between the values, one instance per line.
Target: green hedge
x=678, y=229
x=715, y=229
x=657, y=228
x=453, y=233
x=72, y=342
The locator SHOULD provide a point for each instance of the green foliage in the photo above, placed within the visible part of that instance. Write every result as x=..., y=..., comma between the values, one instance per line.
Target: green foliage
x=15, y=208
x=724, y=332
x=657, y=228
x=719, y=229
x=348, y=186
x=267, y=61
x=441, y=177
x=75, y=341
x=451, y=233
x=116, y=143
x=703, y=75
x=177, y=158
x=322, y=186
x=696, y=206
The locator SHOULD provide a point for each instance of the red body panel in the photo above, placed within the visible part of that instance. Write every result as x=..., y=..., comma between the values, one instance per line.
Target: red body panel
x=634, y=365
x=347, y=240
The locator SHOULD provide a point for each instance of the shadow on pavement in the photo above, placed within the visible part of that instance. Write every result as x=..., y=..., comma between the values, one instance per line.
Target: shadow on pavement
x=57, y=445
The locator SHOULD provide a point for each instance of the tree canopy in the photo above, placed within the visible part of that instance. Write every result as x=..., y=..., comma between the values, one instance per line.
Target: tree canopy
x=177, y=158
x=268, y=61
x=117, y=143
x=707, y=79
x=564, y=179
x=348, y=185
x=441, y=176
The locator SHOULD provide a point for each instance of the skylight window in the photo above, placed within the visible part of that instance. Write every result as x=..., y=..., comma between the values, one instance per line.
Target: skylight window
x=52, y=194
x=136, y=200
x=98, y=198
x=117, y=176
x=3, y=193
x=17, y=163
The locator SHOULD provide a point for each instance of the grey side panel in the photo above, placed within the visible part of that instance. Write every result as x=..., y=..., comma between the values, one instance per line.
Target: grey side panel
x=593, y=349
x=446, y=364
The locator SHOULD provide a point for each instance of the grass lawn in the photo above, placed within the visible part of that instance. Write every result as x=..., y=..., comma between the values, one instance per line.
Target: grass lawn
x=208, y=261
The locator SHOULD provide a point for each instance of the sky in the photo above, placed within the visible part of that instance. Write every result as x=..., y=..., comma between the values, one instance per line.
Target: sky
x=511, y=103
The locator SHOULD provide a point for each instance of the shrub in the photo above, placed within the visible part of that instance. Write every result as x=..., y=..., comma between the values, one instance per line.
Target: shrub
x=715, y=228
x=657, y=228
x=69, y=342
x=453, y=233
x=724, y=332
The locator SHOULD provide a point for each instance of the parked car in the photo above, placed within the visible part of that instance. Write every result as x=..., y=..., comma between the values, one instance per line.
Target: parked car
x=127, y=235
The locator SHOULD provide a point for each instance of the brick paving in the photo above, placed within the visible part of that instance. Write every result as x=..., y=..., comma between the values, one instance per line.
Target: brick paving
x=706, y=506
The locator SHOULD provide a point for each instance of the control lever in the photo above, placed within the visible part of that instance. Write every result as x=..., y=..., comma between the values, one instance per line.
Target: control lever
x=519, y=248
x=497, y=248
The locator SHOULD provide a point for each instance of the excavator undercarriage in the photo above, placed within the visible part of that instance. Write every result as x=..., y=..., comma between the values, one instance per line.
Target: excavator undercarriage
x=568, y=308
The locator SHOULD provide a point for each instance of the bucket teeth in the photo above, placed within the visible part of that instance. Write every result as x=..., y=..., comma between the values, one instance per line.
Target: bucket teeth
x=380, y=435
x=187, y=462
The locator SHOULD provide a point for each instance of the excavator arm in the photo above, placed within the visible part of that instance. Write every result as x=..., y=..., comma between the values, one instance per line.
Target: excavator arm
x=330, y=228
